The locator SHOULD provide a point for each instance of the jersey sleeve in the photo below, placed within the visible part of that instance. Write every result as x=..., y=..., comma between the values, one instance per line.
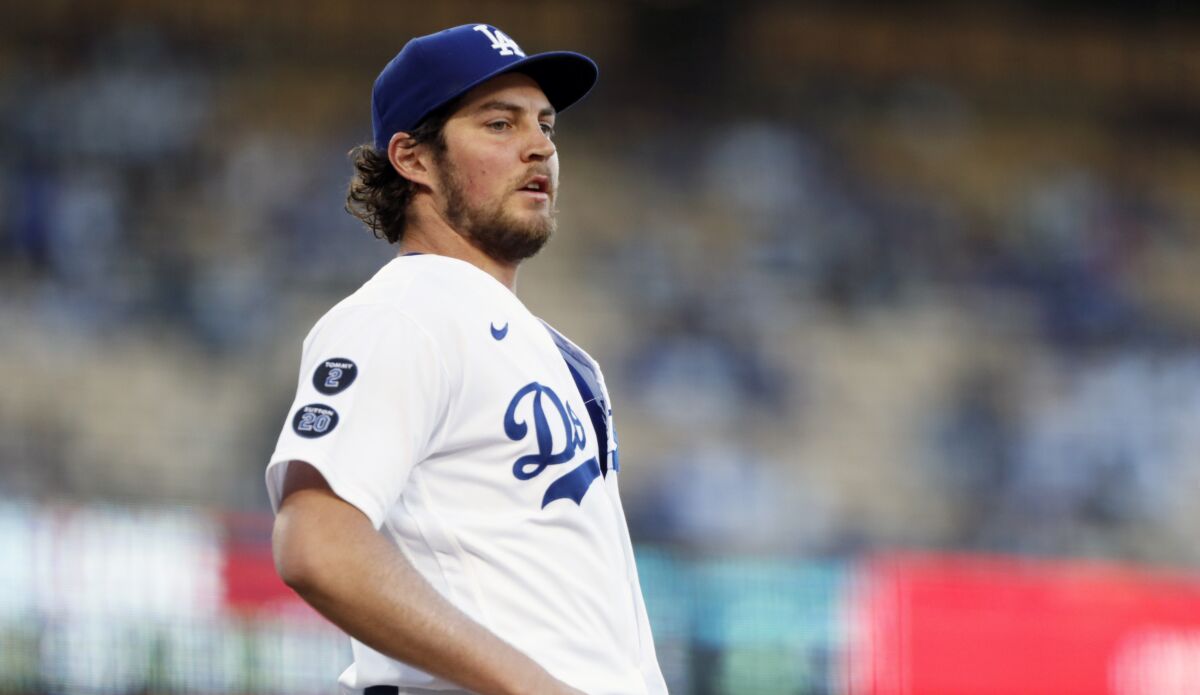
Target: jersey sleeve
x=372, y=394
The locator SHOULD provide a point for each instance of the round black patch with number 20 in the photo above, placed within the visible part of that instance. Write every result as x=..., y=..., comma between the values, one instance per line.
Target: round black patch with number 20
x=314, y=420
x=334, y=375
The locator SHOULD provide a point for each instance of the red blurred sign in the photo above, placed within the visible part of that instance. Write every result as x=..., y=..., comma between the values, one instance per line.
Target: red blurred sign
x=995, y=626
x=248, y=571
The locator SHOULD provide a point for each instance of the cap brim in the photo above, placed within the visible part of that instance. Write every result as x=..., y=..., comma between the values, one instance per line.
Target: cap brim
x=565, y=76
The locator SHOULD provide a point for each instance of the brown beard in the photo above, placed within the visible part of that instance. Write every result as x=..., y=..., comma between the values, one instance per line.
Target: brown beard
x=491, y=229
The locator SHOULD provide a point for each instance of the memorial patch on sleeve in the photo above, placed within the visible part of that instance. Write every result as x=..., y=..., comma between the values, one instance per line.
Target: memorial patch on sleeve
x=314, y=420
x=334, y=375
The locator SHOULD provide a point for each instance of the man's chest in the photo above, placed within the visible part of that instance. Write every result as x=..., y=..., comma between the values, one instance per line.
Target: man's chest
x=524, y=425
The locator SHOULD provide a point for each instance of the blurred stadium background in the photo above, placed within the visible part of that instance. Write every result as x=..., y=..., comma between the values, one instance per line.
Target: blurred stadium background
x=898, y=307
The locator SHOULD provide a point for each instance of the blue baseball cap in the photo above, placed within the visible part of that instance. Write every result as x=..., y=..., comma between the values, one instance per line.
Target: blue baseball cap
x=431, y=71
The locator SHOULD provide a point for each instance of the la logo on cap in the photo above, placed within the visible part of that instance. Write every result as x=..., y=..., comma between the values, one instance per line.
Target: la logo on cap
x=500, y=41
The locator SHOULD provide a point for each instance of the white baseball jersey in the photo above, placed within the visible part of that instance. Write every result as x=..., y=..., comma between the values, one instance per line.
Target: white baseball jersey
x=481, y=442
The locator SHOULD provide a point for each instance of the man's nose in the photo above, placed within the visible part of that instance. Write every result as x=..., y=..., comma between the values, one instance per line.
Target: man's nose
x=540, y=145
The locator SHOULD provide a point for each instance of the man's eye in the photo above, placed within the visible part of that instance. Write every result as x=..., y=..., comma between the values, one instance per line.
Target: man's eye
x=498, y=126
x=548, y=129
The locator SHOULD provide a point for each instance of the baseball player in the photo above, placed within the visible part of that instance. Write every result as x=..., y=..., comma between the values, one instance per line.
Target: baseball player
x=446, y=481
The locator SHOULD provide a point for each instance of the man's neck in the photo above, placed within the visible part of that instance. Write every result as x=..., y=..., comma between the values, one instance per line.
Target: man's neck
x=444, y=241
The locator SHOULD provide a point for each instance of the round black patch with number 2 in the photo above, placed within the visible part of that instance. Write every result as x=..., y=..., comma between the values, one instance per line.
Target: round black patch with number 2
x=334, y=375
x=314, y=420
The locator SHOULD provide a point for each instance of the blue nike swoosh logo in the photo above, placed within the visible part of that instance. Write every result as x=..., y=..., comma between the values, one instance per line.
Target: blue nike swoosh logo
x=499, y=333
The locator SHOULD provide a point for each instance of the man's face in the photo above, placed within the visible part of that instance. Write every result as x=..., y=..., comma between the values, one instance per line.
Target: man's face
x=498, y=174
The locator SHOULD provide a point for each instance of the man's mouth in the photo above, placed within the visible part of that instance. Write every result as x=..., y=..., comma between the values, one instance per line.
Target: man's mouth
x=537, y=185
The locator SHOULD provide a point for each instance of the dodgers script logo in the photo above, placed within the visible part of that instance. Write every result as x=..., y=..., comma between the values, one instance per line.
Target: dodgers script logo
x=550, y=418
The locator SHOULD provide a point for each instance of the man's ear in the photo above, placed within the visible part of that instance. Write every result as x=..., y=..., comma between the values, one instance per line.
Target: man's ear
x=409, y=159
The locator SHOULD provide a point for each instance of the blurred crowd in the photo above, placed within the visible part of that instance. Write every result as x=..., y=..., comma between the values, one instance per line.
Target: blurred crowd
x=916, y=313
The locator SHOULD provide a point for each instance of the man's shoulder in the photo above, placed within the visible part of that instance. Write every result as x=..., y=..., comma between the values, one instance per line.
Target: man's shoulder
x=433, y=292
x=409, y=280
x=422, y=279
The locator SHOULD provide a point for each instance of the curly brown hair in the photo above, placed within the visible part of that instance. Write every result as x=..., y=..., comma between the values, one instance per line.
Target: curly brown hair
x=378, y=195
